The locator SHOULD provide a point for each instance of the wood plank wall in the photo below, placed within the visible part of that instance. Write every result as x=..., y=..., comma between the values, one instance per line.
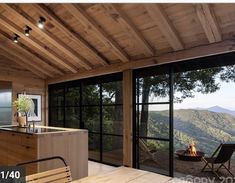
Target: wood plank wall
x=23, y=80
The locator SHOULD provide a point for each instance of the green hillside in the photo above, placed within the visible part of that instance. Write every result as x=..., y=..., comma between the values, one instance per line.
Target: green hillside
x=207, y=128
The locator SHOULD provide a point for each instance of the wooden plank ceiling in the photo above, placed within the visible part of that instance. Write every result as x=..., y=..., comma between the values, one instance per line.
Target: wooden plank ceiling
x=79, y=38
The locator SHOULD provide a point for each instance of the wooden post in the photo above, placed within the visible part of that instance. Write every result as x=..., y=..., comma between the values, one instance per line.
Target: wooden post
x=127, y=117
x=46, y=108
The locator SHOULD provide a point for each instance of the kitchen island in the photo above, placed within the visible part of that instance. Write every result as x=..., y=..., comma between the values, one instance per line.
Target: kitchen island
x=19, y=145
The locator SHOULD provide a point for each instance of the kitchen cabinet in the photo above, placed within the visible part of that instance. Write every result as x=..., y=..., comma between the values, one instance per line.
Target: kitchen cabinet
x=71, y=144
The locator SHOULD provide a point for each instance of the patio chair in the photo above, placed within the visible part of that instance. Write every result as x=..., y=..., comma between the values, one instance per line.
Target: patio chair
x=149, y=151
x=58, y=175
x=225, y=152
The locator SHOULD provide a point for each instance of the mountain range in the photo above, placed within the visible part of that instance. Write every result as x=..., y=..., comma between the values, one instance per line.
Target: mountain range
x=221, y=110
x=217, y=109
x=208, y=127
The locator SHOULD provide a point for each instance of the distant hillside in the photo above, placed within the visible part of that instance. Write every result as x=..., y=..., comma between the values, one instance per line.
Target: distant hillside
x=207, y=128
x=221, y=110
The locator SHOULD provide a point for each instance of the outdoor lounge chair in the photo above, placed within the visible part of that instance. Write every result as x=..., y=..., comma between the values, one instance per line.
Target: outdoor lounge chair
x=225, y=152
x=149, y=151
x=58, y=175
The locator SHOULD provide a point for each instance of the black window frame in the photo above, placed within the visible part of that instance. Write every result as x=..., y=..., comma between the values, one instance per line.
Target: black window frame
x=100, y=80
x=151, y=71
x=217, y=60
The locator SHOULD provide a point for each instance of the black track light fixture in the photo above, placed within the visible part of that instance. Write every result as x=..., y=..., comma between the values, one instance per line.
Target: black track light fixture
x=27, y=31
x=41, y=22
x=16, y=37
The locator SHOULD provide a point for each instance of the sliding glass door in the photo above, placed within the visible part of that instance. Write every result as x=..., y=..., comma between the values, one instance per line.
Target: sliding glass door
x=201, y=91
x=56, y=106
x=91, y=117
x=152, y=142
x=94, y=104
x=112, y=122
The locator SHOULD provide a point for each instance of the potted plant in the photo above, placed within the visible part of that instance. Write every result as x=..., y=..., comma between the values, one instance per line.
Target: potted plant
x=23, y=105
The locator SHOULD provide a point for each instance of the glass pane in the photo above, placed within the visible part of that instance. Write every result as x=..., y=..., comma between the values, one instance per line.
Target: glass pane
x=112, y=92
x=113, y=149
x=154, y=89
x=72, y=117
x=91, y=118
x=72, y=96
x=94, y=146
x=154, y=156
x=204, y=117
x=91, y=94
x=57, y=117
x=154, y=121
x=138, y=97
x=113, y=120
x=57, y=97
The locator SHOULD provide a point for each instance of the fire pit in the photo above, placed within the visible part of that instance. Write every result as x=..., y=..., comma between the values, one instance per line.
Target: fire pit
x=187, y=157
x=190, y=154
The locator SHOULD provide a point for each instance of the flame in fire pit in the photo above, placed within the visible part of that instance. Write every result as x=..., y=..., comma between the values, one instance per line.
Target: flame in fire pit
x=191, y=150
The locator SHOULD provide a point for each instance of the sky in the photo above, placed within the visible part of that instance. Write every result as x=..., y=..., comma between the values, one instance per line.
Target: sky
x=224, y=97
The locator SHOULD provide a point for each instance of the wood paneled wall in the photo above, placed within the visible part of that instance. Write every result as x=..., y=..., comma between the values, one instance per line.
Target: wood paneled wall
x=23, y=80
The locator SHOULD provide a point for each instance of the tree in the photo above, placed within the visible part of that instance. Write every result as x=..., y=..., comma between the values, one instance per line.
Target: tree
x=112, y=114
x=112, y=94
x=185, y=84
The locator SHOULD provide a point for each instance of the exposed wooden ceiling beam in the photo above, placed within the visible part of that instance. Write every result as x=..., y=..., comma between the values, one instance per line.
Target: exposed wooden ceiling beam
x=208, y=21
x=68, y=31
x=8, y=45
x=196, y=52
x=22, y=63
x=88, y=6
x=26, y=61
x=160, y=18
x=35, y=43
x=121, y=18
x=91, y=25
x=20, y=15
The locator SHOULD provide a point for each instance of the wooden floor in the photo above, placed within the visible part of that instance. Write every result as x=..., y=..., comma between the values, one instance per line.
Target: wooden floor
x=192, y=168
x=114, y=157
x=124, y=175
x=98, y=168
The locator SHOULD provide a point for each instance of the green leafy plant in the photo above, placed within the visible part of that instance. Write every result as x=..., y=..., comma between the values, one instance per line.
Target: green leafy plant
x=22, y=104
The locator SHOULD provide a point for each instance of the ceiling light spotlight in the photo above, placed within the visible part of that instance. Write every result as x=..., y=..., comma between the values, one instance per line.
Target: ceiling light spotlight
x=41, y=22
x=16, y=37
x=27, y=31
